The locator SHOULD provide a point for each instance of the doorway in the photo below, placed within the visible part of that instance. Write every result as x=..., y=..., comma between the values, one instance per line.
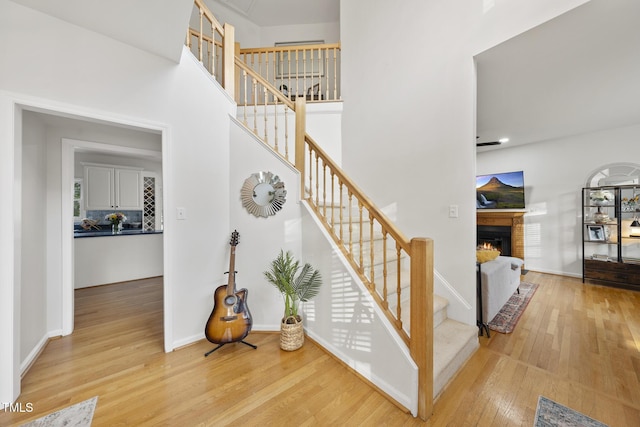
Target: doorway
x=44, y=255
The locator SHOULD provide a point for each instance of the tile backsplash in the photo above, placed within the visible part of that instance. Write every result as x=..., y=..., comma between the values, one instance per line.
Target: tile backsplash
x=134, y=218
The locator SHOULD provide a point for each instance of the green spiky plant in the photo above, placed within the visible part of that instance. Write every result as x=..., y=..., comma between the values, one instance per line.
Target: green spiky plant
x=294, y=289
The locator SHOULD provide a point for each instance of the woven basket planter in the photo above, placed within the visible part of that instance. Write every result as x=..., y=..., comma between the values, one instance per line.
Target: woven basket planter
x=291, y=334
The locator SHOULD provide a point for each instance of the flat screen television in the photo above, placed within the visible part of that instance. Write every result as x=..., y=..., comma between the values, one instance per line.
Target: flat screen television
x=500, y=191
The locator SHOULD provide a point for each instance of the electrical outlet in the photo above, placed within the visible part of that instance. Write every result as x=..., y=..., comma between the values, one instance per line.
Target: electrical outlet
x=453, y=211
x=181, y=213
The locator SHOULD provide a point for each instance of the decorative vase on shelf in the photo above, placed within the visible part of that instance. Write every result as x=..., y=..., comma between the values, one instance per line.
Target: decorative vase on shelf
x=600, y=217
x=115, y=228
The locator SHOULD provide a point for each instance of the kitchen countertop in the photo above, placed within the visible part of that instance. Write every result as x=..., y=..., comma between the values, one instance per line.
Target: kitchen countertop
x=108, y=233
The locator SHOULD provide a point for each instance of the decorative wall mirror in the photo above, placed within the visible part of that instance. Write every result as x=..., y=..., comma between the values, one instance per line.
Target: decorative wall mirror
x=263, y=194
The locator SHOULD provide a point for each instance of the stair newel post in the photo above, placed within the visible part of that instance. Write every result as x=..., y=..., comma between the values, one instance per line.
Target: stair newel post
x=421, y=343
x=301, y=123
x=228, y=59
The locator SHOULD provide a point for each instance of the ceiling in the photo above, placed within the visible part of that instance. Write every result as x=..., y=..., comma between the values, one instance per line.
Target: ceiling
x=268, y=13
x=156, y=26
x=149, y=141
x=575, y=74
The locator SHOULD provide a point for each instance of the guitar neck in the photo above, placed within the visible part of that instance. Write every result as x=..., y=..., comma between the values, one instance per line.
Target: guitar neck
x=231, y=286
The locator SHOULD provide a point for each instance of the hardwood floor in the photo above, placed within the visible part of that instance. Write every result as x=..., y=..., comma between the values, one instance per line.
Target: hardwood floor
x=576, y=344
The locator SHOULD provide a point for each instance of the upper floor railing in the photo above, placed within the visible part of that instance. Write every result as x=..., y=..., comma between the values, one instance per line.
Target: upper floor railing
x=213, y=44
x=397, y=271
x=309, y=70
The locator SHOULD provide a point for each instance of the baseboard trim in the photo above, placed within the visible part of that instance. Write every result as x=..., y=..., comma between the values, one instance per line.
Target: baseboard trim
x=33, y=355
x=555, y=273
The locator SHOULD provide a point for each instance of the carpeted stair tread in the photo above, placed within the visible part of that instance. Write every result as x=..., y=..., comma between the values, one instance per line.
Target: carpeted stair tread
x=355, y=231
x=440, y=305
x=453, y=343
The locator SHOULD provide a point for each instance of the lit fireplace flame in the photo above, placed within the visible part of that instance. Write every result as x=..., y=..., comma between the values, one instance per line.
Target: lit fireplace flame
x=487, y=246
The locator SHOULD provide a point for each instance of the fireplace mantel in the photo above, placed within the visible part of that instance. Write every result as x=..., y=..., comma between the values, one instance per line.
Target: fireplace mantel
x=515, y=220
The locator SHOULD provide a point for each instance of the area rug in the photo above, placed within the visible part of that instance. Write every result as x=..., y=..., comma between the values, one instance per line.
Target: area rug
x=508, y=316
x=78, y=415
x=550, y=413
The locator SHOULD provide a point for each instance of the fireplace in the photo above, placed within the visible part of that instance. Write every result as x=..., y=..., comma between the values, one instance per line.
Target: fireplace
x=506, y=228
x=496, y=236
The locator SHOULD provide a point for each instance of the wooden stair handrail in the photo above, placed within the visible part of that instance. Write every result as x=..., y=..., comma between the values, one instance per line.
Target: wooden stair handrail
x=275, y=92
x=391, y=228
x=205, y=10
x=250, y=50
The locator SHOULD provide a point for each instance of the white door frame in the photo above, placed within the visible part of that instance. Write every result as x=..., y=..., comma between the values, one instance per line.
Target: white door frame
x=11, y=107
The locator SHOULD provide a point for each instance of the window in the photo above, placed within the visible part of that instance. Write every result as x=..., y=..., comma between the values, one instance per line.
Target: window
x=615, y=174
x=78, y=211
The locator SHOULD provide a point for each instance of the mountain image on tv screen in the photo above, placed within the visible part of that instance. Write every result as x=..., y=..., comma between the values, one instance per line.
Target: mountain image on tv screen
x=500, y=191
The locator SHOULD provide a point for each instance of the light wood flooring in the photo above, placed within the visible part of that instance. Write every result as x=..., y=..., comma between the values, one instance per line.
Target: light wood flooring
x=576, y=344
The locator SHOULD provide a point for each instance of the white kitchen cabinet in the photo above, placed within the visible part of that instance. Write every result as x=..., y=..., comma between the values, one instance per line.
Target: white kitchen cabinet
x=108, y=187
x=128, y=189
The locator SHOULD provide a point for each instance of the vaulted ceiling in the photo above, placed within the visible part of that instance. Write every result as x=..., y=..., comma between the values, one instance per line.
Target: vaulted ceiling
x=267, y=13
x=576, y=74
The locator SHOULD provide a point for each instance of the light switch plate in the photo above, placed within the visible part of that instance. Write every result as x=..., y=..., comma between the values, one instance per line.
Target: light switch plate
x=181, y=213
x=453, y=211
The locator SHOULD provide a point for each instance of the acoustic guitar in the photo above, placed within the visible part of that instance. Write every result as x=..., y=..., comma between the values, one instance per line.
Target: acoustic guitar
x=230, y=320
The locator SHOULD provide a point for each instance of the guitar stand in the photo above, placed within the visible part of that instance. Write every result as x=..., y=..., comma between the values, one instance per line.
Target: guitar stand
x=255, y=347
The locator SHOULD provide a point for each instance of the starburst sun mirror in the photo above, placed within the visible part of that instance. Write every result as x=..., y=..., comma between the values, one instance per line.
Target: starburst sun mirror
x=263, y=194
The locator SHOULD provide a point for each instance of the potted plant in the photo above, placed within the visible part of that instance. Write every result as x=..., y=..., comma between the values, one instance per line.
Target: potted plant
x=296, y=284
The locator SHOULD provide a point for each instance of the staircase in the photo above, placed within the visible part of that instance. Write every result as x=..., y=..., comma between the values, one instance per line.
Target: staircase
x=453, y=342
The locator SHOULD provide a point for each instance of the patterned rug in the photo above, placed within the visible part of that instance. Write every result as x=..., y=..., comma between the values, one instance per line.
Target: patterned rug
x=550, y=413
x=508, y=316
x=78, y=415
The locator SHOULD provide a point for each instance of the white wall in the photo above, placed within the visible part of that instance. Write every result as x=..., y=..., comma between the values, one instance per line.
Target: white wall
x=328, y=32
x=409, y=113
x=555, y=172
x=86, y=76
x=260, y=238
x=33, y=310
x=324, y=125
x=247, y=33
